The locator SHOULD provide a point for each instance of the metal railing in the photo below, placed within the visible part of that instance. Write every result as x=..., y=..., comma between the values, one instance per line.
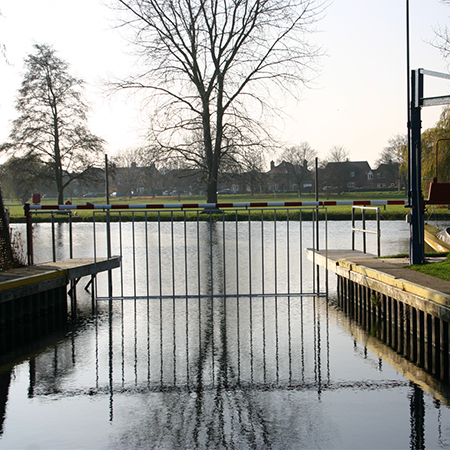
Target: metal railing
x=195, y=250
x=364, y=230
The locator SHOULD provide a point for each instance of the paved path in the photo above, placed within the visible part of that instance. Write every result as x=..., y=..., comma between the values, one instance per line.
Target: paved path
x=392, y=266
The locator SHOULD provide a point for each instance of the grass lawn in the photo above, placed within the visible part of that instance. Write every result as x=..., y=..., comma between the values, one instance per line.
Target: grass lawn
x=437, y=269
x=390, y=212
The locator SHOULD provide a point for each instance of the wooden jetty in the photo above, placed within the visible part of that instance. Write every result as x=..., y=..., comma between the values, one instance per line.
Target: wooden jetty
x=33, y=300
x=407, y=310
x=32, y=280
x=35, y=290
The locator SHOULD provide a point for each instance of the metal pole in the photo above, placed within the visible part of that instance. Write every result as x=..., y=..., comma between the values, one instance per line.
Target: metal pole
x=353, y=228
x=108, y=231
x=70, y=236
x=316, y=185
x=29, y=234
x=53, y=238
x=408, y=90
x=363, y=220
x=378, y=233
x=416, y=251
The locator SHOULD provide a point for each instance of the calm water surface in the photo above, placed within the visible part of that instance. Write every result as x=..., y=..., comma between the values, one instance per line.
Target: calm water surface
x=237, y=372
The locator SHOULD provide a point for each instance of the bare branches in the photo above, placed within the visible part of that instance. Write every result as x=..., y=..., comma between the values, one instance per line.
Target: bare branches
x=205, y=55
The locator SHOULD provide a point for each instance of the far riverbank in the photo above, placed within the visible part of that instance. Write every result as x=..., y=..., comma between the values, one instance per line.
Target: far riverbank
x=341, y=212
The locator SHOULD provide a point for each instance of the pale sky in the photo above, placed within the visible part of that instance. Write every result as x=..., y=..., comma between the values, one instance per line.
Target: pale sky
x=358, y=100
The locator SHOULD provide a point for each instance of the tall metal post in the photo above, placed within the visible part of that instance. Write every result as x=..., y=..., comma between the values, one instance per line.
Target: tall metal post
x=416, y=248
x=30, y=256
x=316, y=189
x=108, y=234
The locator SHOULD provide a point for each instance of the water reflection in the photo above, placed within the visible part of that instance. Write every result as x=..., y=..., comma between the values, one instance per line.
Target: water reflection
x=223, y=372
x=218, y=372
x=5, y=380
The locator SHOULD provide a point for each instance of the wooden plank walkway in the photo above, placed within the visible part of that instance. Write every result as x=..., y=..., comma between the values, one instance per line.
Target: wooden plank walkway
x=27, y=280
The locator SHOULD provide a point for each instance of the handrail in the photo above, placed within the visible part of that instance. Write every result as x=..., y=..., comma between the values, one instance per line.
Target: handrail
x=222, y=205
x=363, y=230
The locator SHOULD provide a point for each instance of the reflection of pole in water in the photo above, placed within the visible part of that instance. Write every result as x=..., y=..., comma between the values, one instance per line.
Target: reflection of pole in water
x=5, y=381
x=417, y=417
x=111, y=359
x=302, y=340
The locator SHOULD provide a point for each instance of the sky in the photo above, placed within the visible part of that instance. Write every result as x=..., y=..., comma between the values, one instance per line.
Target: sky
x=357, y=99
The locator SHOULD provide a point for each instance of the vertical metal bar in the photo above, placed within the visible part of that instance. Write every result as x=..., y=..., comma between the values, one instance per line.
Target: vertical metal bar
x=30, y=256
x=326, y=250
x=147, y=263
x=353, y=228
x=250, y=292
x=262, y=254
x=172, y=243
x=378, y=233
x=108, y=253
x=224, y=265
x=314, y=265
x=250, y=254
x=300, y=239
x=186, y=284
x=237, y=256
x=70, y=236
x=198, y=258
x=95, y=247
x=53, y=237
x=133, y=237
x=108, y=228
x=121, y=253
x=364, y=229
x=238, y=337
x=263, y=298
x=288, y=265
x=159, y=253
x=317, y=218
x=211, y=267
x=408, y=91
x=275, y=249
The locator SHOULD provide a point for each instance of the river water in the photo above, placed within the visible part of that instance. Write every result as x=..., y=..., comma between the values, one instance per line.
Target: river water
x=281, y=372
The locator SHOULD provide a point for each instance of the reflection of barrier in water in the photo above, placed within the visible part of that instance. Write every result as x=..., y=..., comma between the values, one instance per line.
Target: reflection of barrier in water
x=417, y=330
x=215, y=368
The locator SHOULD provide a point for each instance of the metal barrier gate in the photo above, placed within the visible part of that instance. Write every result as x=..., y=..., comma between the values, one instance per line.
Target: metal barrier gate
x=234, y=251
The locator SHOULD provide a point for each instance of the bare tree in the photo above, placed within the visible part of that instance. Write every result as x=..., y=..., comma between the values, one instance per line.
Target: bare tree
x=300, y=161
x=394, y=151
x=212, y=67
x=337, y=168
x=337, y=153
x=442, y=41
x=251, y=168
x=135, y=168
x=51, y=122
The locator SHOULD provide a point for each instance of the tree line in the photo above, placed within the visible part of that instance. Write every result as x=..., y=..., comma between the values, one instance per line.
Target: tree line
x=208, y=68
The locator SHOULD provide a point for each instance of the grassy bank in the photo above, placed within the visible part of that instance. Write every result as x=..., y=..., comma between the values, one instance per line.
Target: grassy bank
x=436, y=269
x=390, y=212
